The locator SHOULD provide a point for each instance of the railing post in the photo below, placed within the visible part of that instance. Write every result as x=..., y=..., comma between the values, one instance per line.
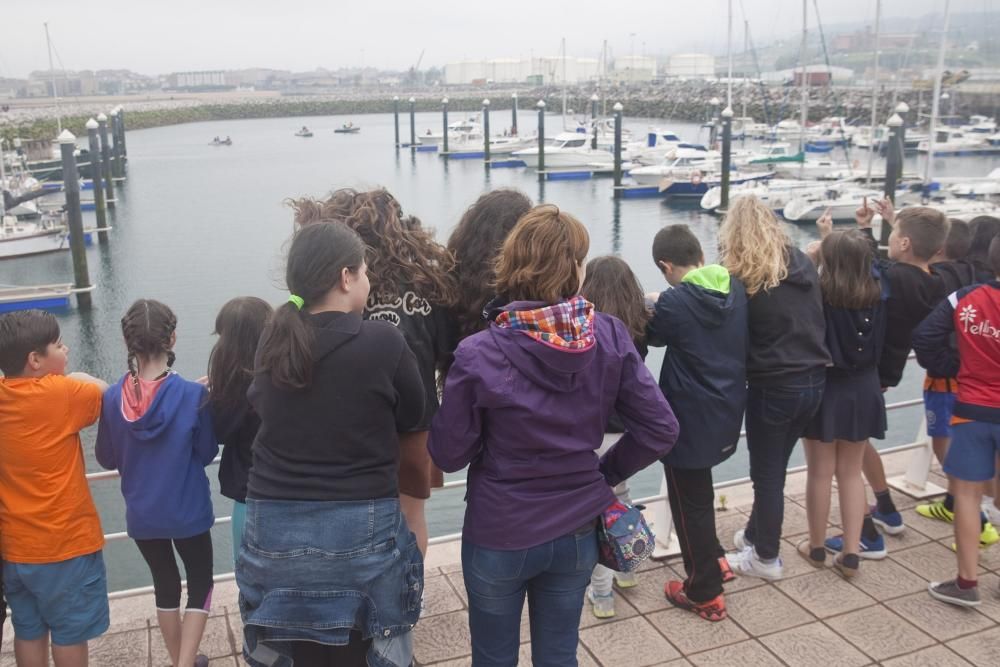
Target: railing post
x=663, y=526
x=914, y=481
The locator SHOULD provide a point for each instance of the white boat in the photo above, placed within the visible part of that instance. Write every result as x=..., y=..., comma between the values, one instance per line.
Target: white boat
x=770, y=154
x=841, y=199
x=962, y=209
x=457, y=129
x=19, y=238
x=818, y=168
x=954, y=142
x=684, y=164
x=473, y=141
x=568, y=150
x=970, y=187
x=774, y=192
x=659, y=143
x=980, y=125
x=863, y=137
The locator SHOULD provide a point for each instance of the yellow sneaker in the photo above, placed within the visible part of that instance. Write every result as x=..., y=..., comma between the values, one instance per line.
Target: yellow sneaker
x=986, y=538
x=936, y=510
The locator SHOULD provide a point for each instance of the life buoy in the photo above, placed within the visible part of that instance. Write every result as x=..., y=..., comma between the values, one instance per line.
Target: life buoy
x=696, y=177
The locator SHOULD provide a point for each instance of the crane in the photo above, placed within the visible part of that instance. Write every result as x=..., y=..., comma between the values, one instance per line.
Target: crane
x=416, y=68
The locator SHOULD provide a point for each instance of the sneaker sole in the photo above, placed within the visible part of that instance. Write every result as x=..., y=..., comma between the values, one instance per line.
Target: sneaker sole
x=950, y=600
x=864, y=555
x=631, y=584
x=887, y=529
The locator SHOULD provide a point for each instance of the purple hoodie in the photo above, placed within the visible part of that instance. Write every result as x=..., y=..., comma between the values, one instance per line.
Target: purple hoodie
x=528, y=418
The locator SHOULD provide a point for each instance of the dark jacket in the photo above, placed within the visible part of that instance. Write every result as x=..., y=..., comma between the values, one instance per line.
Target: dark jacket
x=787, y=327
x=855, y=337
x=955, y=274
x=337, y=439
x=427, y=330
x=235, y=429
x=528, y=419
x=913, y=294
x=703, y=323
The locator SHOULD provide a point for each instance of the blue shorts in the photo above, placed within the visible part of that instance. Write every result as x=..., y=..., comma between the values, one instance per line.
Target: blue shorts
x=973, y=451
x=939, y=406
x=68, y=599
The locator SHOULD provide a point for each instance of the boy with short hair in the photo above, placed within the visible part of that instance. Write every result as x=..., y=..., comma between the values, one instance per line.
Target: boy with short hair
x=918, y=234
x=972, y=315
x=703, y=322
x=53, y=569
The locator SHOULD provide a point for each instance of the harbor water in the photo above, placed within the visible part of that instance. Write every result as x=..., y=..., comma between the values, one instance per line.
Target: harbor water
x=196, y=225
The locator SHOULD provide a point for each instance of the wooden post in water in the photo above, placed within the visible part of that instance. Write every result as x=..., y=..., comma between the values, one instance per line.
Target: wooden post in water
x=413, y=124
x=71, y=184
x=109, y=183
x=444, y=123
x=116, y=147
x=541, y=140
x=395, y=117
x=95, y=174
x=121, y=128
x=727, y=147
x=618, y=149
x=893, y=167
x=513, y=115
x=594, y=99
x=486, y=132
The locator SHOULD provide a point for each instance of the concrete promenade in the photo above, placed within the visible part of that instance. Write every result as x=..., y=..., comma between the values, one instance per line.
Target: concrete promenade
x=810, y=618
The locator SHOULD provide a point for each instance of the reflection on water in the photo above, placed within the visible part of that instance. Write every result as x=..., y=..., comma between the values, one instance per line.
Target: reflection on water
x=196, y=225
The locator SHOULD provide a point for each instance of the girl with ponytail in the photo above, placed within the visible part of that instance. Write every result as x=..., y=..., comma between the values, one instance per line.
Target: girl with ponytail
x=324, y=536
x=156, y=431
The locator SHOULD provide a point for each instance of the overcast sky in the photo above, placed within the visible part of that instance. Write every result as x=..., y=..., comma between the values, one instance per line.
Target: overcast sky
x=161, y=36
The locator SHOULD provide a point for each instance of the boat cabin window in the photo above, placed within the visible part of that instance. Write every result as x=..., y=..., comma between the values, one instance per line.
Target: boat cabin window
x=574, y=143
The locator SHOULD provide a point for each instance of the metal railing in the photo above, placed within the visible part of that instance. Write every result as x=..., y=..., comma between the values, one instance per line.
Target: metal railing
x=656, y=503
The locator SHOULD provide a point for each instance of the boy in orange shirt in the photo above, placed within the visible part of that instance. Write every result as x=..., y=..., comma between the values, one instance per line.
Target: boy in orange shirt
x=53, y=570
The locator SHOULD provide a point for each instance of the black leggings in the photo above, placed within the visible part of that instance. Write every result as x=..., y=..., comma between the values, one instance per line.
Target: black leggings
x=196, y=552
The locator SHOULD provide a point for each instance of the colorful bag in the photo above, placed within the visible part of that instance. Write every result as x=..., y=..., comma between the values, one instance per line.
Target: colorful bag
x=624, y=538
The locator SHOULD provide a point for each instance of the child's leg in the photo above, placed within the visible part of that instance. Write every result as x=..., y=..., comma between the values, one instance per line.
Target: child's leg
x=874, y=470
x=70, y=656
x=159, y=556
x=821, y=461
x=415, y=483
x=851, y=491
x=940, y=446
x=32, y=652
x=967, y=526
x=196, y=552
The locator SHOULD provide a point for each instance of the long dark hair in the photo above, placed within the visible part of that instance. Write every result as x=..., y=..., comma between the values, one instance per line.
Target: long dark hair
x=845, y=277
x=318, y=256
x=475, y=244
x=984, y=229
x=613, y=288
x=402, y=252
x=238, y=325
x=147, y=328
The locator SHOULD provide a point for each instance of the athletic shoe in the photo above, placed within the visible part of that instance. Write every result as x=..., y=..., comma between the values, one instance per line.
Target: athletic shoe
x=890, y=524
x=727, y=572
x=806, y=552
x=201, y=660
x=948, y=591
x=740, y=541
x=625, y=579
x=748, y=564
x=714, y=610
x=986, y=538
x=603, y=606
x=936, y=510
x=870, y=549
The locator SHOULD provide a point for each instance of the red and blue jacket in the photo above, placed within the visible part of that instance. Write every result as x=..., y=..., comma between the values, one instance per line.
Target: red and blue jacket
x=972, y=315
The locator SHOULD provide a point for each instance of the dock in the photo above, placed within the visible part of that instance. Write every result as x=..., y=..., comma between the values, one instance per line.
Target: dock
x=811, y=618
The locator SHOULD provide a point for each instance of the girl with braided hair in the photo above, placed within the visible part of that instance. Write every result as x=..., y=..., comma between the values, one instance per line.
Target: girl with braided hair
x=156, y=430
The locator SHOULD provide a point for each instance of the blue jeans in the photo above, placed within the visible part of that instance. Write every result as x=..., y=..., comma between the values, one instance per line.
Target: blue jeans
x=239, y=520
x=776, y=418
x=554, y=576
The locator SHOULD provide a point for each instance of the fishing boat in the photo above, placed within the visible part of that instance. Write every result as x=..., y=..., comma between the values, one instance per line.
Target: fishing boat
x=304, y=132
x=348, y=128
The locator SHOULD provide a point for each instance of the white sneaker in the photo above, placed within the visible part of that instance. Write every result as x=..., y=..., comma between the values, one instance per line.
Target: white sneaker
x=603, y=606
x=746, y=563
x=740, y=540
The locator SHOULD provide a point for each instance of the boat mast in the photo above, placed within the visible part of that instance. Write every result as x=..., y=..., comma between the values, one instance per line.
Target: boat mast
x=746, y=51
x=729, y=48
x=564, y=81
x=936, y=102
x=52, y=79
x=871, y=148
x=805, y=82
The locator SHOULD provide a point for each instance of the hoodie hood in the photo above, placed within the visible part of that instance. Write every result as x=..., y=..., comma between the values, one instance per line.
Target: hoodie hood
x=710, y=295
x=152, y=418
x=801, y=270
x=331, y=330
x=526, y=333
x=954, y=275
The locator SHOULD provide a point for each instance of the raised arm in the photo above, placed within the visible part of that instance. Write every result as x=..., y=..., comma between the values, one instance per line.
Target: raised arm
x=456, y=431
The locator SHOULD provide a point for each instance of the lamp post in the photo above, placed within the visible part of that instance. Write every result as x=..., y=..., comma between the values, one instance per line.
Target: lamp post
x=727, y=141
x=541, y=139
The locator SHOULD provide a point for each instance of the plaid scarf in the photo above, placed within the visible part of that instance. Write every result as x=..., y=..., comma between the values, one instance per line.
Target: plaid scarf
x=567, y=325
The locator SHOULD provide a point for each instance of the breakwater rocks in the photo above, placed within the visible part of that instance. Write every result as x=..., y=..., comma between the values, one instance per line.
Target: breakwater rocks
x=685, y=101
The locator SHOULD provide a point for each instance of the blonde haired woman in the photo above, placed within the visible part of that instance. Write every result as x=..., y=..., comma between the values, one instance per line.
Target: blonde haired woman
x=785, y=367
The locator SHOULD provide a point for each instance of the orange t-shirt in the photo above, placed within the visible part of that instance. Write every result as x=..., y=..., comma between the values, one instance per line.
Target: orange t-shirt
x=46, y=512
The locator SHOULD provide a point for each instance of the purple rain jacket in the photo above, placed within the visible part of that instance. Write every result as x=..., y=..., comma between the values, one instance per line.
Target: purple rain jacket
x=528, y=418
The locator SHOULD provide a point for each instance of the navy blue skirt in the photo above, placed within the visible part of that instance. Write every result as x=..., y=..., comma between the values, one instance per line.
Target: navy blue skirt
x=853, y=408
